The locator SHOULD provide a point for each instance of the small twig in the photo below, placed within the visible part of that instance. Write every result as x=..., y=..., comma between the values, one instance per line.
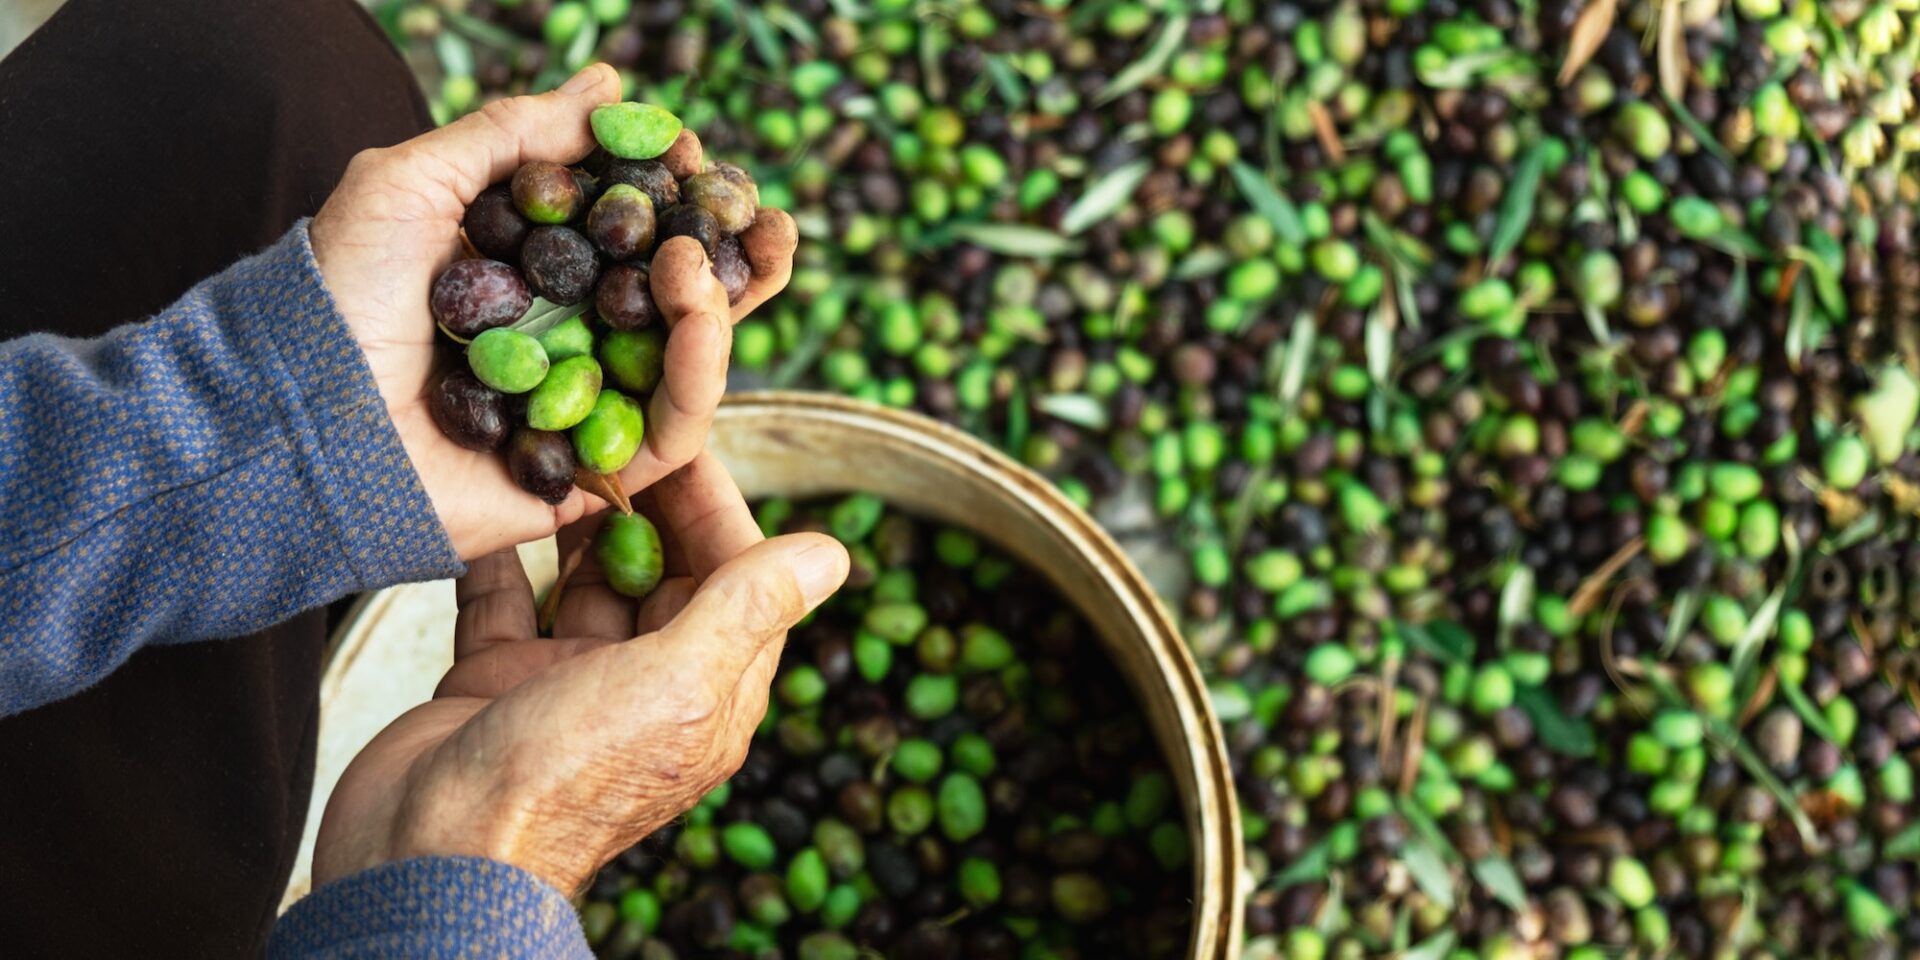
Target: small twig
x=1389, y=675
x=1324, y=130
x=1416, y=746
x=1762, y=694
x=550, y=607
x=1589, y=592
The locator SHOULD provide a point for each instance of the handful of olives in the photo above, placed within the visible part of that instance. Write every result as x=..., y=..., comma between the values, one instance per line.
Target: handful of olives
x=553, y=310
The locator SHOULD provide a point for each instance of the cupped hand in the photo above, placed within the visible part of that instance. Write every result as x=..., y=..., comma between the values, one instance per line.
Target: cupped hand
x=556, y=754
x=394, y=223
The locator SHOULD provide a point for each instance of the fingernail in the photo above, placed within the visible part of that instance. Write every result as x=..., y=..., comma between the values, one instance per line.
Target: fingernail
x=582, y=81
x=820, y=569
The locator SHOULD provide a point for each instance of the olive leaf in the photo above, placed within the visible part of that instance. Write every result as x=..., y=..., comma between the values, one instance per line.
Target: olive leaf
x=1496, y=874
x=1017, y=419
x=1446, y=645
x=480, y=31
x=1007, y=81
x=1202, y=262
x=1826, y=281
x=455, y=54
x=793, y=25
x=1173, y=30
x=1568, y=736
x=1270, y=203
x=1437, y=947
x=1810, y=715
x=1311, y=865
x=1106, y=196
x=1904, y=845
x=1079, y=409
x=1686, y=606
x=1729, y=739
x=1299, y=350
x=580, y=51
x=1589, y=31
x=1701, y=135
x=544, y=315
x=1516, y=599
x=1516, y=205
x=1429, y=871
x=1011, y=239
x=1746, y=649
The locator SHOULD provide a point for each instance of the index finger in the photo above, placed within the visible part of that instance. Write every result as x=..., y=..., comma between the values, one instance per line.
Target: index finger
x=706, y=515
x=694, y=369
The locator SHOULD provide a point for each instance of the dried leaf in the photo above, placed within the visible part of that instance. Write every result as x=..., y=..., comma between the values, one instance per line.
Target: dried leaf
x=1106, y=196
x=1590, y=589
x=1671, y=51
x=550, y=604
x=1589, y=31
x=606, y=486
x=1326, y=132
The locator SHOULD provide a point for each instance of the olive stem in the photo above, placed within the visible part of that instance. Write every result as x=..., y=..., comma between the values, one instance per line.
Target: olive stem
x=606, y=486
x=550, y=607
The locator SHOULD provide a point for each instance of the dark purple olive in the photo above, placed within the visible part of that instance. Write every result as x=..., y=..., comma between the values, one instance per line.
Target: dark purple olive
x=542, y=463
x=469, y=412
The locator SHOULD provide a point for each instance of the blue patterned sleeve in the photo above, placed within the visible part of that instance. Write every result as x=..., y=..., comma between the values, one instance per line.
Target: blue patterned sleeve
x=430, y=908
x=207, y=473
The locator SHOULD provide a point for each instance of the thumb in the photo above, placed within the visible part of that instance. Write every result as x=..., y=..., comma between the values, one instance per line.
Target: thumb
x=751, y=601
x=488, y=145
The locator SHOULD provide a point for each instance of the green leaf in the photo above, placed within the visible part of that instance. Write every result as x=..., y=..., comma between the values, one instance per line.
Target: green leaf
x=1570, y=736
x=1079, y=409
x=1429, y=871
x=480, y=31
x=1442, y=640
x=1701, y=134
x=1497, y=875
x=1017, y=417
x=1106, y=196
x=580, y=52
x=1904, y=845
x=1746, y=649
x=1202, y=262
x=1437, y=947
x=1011, y=86
x=455, y=53
x=1423, y=825
x=1293, y=373
x=794, y=25
x=1686, y=606
x=1809, y=714
x=1826, y=283
x=1516, y=602
x=1270, y=203
x=1728, y=738
x=1173, y=31
x=1312, y=865
x=1012, y=239
x=1516, y=205
x=544, y=315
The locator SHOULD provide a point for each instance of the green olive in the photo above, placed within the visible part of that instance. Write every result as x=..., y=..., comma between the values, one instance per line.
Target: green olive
x=507, y=360
x=628, y=548
x=634, y=359
x=566, y=396
x=610, y=435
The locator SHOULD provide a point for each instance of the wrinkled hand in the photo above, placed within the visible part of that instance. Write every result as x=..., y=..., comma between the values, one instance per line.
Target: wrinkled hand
x=394, y=223
x=556, y=754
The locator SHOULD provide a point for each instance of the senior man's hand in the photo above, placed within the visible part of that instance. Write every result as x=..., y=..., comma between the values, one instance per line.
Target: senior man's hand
x=394, y=223
x=556, y=754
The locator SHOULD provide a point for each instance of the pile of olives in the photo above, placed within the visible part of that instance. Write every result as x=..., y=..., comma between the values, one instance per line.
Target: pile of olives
x=554, y=311
x=949, y=767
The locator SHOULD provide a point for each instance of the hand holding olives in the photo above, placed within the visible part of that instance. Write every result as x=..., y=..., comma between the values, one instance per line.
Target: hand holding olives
x=569, y=312
x=603, y=770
